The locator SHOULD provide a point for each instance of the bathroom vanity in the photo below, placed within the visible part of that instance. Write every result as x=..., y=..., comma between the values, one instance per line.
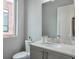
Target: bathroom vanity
x=57, y=19
x=51, y=51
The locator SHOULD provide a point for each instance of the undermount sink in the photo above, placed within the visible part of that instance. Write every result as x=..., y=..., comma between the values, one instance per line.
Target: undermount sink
x=59, y=45
x=53, y=45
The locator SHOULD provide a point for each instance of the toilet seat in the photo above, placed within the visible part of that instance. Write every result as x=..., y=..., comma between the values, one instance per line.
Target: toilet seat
x=22, y=55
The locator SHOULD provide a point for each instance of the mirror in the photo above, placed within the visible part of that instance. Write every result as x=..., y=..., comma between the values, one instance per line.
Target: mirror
x=58, y=18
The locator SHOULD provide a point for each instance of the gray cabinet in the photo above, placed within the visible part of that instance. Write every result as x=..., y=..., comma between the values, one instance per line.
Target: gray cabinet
x=56, y=55
x=40, y=53
x=52, y=56
x=36, y=52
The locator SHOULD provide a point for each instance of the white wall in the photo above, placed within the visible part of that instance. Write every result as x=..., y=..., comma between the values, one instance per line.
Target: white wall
x=33, y=19
x=64, y=21
x=13, y=45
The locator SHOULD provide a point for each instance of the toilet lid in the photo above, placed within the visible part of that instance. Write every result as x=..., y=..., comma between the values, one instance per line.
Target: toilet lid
x=21, y=54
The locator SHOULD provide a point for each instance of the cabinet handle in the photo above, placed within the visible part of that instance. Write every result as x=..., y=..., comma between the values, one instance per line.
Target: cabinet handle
x=73, y=57
x=43, y=55
x=47, y=55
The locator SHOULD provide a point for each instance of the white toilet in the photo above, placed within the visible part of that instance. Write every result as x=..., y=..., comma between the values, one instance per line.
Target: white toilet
x=24, y=54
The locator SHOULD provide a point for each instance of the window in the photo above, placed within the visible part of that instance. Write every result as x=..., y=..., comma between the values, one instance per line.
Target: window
x=9, y=17
x=5, y=23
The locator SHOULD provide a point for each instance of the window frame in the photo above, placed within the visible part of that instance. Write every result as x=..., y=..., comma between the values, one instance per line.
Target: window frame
x=15, y=35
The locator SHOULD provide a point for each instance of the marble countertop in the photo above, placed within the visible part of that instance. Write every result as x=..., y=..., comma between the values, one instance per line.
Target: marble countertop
x=64, y=48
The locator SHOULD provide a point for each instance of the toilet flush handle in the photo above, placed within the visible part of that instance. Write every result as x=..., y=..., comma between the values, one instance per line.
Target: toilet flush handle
x=30, y=38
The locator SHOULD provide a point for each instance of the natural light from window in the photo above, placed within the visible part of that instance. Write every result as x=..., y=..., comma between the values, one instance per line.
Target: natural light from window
x=8, y=17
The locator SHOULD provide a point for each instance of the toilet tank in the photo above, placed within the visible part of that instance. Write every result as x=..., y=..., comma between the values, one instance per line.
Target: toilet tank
x=27, y=45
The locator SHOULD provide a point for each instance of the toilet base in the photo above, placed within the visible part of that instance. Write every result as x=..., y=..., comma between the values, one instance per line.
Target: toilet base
x=22, y=55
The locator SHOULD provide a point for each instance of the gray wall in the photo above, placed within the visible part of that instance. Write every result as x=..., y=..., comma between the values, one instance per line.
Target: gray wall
x=49, y=16
x=13, y=45
x=33, y=19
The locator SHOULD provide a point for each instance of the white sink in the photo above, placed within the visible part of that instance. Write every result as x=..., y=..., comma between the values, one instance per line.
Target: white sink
x=60, y=45
x=53, y=45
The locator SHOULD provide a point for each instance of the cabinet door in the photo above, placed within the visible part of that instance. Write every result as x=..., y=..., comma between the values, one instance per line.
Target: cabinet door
x=52, y=56
x=56, y=55
x=36, y=53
